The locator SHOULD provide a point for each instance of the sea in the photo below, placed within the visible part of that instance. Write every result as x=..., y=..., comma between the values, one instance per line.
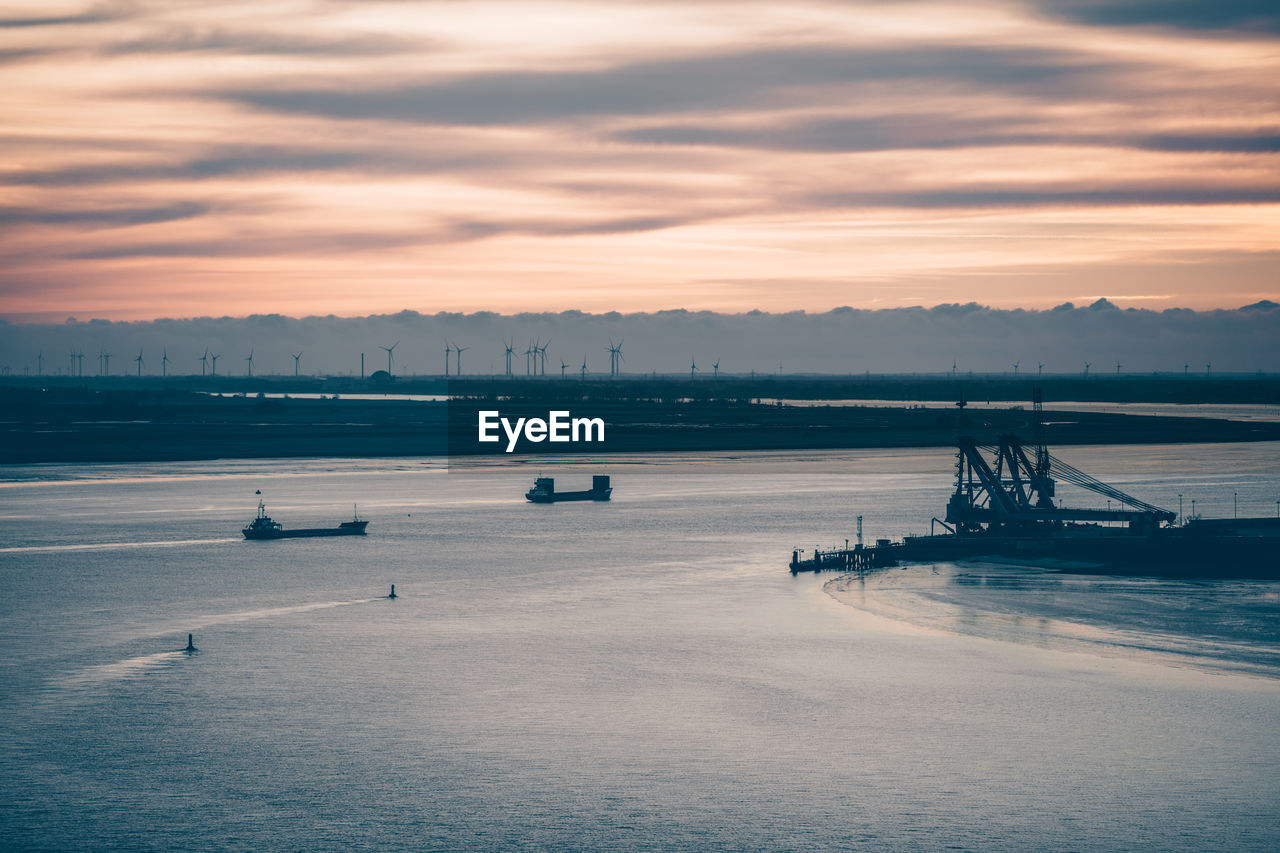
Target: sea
x=642, y=674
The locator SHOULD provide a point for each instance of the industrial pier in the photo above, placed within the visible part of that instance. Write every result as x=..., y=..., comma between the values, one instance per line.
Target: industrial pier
x=1007, y=507
x=859, y=558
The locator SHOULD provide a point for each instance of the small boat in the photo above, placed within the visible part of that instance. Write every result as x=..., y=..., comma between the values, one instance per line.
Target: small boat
x=265, y=527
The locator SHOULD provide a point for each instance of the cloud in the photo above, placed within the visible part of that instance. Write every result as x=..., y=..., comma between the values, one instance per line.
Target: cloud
x=115, y=217
x=245, y=42
x=319, y=243
x=98, y=14
x=1247, y=15
x=758, y=78
x=1052, y=196
x=936, y=131
x=265, y=161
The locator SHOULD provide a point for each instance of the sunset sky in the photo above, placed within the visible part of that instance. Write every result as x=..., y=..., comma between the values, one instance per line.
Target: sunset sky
x=175, y=158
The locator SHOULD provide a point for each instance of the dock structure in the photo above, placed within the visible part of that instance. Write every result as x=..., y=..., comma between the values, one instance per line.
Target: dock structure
x=859, y=558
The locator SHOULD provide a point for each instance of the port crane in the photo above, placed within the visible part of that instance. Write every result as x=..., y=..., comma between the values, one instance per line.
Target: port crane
x=1012, y=491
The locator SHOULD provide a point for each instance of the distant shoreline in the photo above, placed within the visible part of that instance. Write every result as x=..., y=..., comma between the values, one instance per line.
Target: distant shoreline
x=79, y=425
x=904, y=388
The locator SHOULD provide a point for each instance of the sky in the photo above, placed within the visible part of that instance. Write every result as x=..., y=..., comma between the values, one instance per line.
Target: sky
x=166, y=158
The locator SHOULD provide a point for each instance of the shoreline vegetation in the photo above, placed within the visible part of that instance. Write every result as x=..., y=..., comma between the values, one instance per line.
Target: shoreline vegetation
x=1179, y=388
x=147, y=420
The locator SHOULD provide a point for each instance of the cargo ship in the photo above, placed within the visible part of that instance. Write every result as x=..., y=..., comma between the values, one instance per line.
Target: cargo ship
x=264, y=527
x=1004, y=506
x=544, y=491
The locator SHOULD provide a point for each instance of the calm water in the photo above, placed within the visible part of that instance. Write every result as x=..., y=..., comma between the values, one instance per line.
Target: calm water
x=642, y=674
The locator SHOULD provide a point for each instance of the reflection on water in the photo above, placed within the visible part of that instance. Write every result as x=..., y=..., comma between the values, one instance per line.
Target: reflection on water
x=1218, y=625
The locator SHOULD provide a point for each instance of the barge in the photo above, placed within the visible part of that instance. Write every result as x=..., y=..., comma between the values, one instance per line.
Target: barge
x=544, y=491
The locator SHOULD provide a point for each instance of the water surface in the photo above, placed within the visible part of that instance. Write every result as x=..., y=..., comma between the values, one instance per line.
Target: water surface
x=639, y=675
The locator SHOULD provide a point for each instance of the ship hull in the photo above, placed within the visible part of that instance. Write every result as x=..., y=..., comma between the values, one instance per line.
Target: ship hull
x=556, y=497
x=306, y=533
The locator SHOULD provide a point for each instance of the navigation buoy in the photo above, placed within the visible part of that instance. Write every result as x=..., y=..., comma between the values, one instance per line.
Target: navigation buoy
x=191, y=646
x=393, y=592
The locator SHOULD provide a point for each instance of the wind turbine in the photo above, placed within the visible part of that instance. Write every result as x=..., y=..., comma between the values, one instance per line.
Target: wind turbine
x=164, y=362
x=389, y=349
x=297, y=358
x=204, y=361
x=459, y=350
x=715, y=369
x=215, y=356
x=106, y=361
x=693, y=367
x=1015, y=367
x=1087, y=365
x=139, y=360
x=40, y=364
x=1039, y=369
x=80, y=356
x=584, y=368
x=1118, y=366
x=249, y=358
x=447, y=349
x=562, y=367
x=542, y=353
x=528, y=355
x=73, y=361
x=1208, y=368
x=615, y=357
x=510, y=352
x=1186, y=368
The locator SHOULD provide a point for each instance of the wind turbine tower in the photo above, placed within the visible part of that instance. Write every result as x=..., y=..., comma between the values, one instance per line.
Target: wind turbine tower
x=459, y=350
x=214, y=357
x=249, y=358
x=204, y=361
x=139, y=360
x=542, y=354
x=389, y=351
x=164, y=363
x=297, y=358
x=510, y=347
